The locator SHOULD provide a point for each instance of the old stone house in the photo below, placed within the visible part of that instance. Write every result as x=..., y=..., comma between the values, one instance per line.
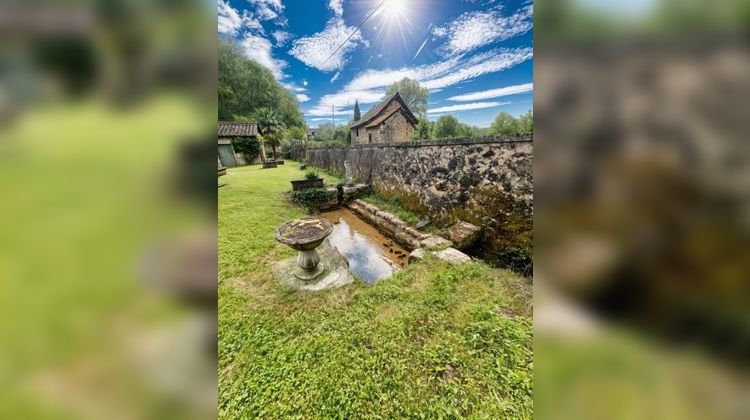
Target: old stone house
x=387, y=122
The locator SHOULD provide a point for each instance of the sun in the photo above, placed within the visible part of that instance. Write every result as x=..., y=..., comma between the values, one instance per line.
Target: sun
x=392, y=9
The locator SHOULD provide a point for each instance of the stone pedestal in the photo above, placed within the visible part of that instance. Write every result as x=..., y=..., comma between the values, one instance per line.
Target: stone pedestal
x=309, y=265
x=348, y=173
x=334, y=272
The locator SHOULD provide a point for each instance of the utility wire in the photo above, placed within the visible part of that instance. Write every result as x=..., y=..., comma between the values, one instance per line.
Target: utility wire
x=354, y=32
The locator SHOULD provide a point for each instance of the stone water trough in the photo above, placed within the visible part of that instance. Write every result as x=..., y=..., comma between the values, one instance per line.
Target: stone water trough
x=376, y=243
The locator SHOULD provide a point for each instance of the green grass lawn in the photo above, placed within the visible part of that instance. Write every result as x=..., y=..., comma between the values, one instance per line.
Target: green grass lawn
x=432, y=341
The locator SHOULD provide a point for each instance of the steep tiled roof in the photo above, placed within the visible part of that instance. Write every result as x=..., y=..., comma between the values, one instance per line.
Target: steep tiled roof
x=384, y=116
x=237, y=129
x=376, y=110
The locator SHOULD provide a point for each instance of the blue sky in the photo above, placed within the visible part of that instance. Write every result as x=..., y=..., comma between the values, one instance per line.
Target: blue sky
x=474, y=56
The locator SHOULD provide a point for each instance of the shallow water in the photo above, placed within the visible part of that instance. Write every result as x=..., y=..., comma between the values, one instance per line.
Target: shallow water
x=372, y=256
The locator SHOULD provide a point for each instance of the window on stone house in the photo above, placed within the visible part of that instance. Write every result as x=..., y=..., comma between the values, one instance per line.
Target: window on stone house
x=382, y=128
x=369, y=137
x=357, y=132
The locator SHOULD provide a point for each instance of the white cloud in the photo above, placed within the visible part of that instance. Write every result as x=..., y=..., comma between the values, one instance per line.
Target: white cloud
x=475, y=29
x=337, y=7
x=465, y=107
x=268, y=9
x=481, y=64
x=304, y=82
x=494, y=93
x=369, y=86
x=230, y=21
x=439, y=31
x=294, y=87
x=259, y=49
x=335, y=76
x=444, y=73
x=326, y=118
x=315, y=49
x=302, y=97
x=342, y=101
x=281, y=37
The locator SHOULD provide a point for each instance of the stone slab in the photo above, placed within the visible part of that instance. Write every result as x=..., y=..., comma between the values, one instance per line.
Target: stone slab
x=463, y=234
x=435, y=242
x=451, y=255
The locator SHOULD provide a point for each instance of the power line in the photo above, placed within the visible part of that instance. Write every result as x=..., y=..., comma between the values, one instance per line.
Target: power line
x=354, y=32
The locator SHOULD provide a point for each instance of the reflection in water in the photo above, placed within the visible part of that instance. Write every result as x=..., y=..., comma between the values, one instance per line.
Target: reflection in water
x=371, y=255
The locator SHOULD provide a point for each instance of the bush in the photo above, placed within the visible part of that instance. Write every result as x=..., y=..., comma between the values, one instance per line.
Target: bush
x=311, y=174
x=313, y=198
x=249, y=148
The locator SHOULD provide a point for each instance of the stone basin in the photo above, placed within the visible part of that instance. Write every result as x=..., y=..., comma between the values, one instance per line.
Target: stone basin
x=304, y=235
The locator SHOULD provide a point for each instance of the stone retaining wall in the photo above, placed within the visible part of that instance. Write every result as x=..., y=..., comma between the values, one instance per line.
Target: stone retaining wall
x=485, y=181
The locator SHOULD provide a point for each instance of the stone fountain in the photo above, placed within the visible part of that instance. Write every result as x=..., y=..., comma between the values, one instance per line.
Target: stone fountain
x=304, y=235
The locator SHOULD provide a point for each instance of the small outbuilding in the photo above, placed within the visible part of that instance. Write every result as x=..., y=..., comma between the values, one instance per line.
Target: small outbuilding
x=231, y=130
x=387, y=122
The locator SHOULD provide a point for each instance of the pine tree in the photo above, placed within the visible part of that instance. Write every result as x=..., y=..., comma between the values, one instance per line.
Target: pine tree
x=357, y=115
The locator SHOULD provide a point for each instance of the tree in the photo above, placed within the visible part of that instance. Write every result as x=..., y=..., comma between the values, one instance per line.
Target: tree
x=326, y=132
x=526, y=123
x=423, y=130
x=269, y=127
x=413, y=95
x=446, y=126
x=244, y=86
x=357, y=114
x=504, y=124
x=465, y=130
x=295, y=133
x=343, y=135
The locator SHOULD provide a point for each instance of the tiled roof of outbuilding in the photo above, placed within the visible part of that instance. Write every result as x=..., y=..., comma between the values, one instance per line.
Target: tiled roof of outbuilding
x=237, y=129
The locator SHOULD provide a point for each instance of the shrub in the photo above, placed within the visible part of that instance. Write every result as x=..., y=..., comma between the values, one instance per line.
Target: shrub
x=312, y=198
x=249, y=148
x=311, y=174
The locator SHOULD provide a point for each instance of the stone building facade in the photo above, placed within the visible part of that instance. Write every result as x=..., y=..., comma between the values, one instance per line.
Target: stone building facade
x=387, y=122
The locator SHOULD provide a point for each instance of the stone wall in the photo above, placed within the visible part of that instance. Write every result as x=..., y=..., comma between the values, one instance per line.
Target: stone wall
x=485, y=181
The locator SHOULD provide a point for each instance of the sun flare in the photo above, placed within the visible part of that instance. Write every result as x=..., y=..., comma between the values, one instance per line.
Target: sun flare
x=394, y=8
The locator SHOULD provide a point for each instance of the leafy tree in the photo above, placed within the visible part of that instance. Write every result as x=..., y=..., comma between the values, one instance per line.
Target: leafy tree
x=269, y=126
x=413, y=95
x=465, y=130
x=343, y=135
x=423, y=130
x=526, y=123
x=357, y=114
x=446, y=126
x=326, y=132
x=295, y=133
x=504, y=124
x=244, y=86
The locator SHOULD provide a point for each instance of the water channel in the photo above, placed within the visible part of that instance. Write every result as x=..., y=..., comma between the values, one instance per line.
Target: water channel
x=372, y=256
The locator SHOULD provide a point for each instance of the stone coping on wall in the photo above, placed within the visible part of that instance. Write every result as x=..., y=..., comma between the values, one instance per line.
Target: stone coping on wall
x=427, y=143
